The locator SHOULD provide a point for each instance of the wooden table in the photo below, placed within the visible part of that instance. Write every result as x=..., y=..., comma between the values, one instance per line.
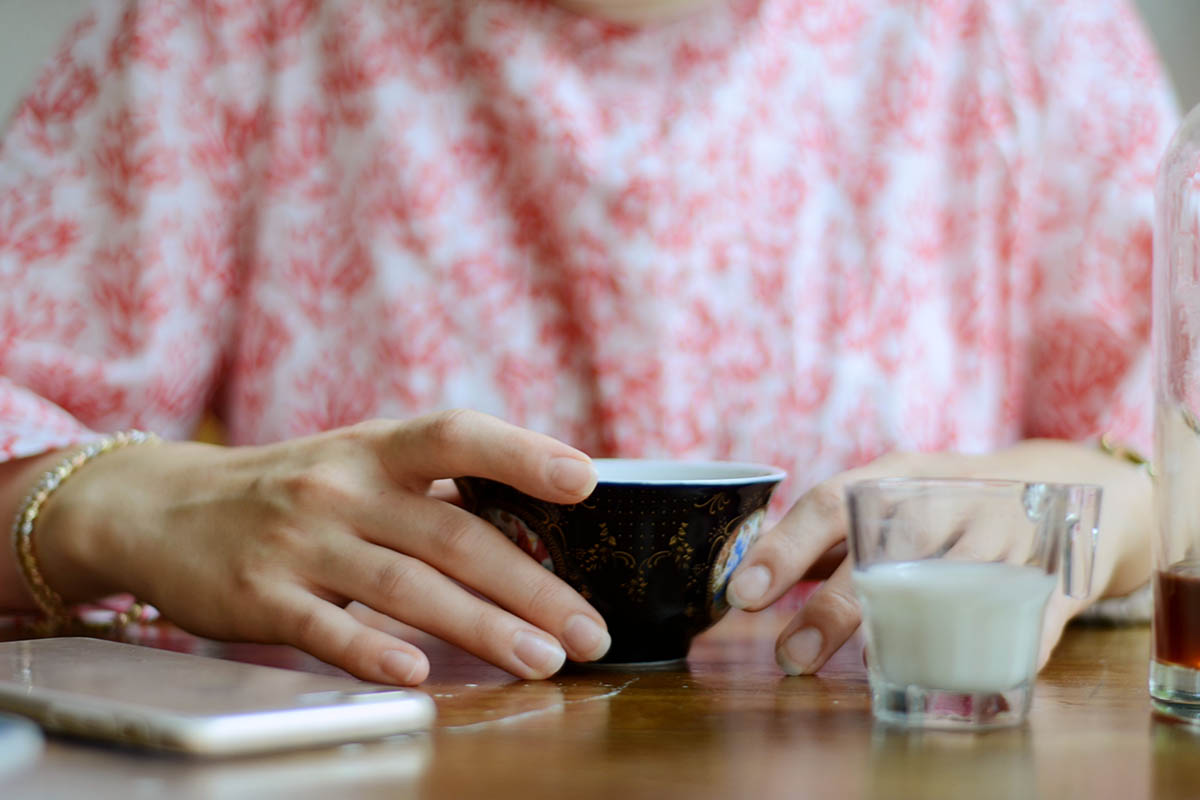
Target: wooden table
x=729, y=726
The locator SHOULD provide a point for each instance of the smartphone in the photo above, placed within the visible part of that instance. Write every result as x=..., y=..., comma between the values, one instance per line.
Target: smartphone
x=162, y=700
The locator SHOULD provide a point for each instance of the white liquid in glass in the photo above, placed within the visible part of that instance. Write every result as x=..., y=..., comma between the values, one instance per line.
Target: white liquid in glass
x=952, y=625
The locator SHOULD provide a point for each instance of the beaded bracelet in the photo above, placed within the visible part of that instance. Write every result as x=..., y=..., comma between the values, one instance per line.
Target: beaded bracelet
x=49, y=601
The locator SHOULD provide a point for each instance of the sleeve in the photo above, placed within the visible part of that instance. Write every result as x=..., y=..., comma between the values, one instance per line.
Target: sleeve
x=121, y=179
x=1105, y=115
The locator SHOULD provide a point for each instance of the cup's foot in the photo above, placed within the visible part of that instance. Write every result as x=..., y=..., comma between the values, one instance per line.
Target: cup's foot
x=917, y=707
x=1175, y=691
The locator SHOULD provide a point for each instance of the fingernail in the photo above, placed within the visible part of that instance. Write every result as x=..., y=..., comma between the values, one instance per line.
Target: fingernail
x=542, y=655
x=800, y=651
x=585, y=638
x=748, y=586
x=401, y=666
x=572, y=475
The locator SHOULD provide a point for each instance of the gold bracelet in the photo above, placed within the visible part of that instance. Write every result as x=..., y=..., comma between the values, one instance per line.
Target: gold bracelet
x=48, y=600
x=1125, y=453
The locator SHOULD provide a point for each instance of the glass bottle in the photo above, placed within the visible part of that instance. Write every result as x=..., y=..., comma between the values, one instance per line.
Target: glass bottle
x=1175, y=664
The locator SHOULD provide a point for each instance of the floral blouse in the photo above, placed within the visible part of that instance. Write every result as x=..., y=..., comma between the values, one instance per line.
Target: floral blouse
x=801, y=232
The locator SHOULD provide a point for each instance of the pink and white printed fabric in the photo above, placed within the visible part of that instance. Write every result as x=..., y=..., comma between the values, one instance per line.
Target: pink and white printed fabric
x=804, y=232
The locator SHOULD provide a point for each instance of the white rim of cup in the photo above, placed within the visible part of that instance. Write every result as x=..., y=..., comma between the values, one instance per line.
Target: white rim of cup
x=662, y=472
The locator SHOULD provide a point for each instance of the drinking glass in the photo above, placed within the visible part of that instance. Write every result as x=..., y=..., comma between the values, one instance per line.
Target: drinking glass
x=1175, y=665
x=954, y=576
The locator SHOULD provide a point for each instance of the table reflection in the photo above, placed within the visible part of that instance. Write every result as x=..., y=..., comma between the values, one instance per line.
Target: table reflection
x=388, y=768
x=997, y=764
x=1175, y=769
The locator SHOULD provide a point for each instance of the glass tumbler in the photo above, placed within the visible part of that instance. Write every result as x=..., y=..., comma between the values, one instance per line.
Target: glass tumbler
x=954, y=577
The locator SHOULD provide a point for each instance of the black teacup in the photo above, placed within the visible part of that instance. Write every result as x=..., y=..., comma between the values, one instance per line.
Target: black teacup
x=651, y=549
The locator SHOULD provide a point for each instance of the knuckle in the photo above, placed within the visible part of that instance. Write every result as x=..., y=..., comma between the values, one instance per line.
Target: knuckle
x=395, y=577
x=306, y=628
x=896, y=463
x=245, y=581
x=774, y=547
x=368, y=430
x=249, y=574
x=839, y=604
x=448, y=429
x=979, y=551
x=351, y=653
x=283, y=536
x=487, y=628
x=825, y=501
x=545, y=593
x=321, y=485
x=966, y=551
x=455, y=543
x=970, y=542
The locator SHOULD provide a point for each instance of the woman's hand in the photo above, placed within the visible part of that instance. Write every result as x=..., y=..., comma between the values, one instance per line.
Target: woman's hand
x=817, y=525
x=271, y=543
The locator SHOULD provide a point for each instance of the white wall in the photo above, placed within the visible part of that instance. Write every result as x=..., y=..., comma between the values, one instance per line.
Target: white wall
x=29, y=31
x=1176, y=28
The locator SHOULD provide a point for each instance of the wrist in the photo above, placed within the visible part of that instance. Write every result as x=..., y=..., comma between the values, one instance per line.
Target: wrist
x=16, y=479
x=88, y=527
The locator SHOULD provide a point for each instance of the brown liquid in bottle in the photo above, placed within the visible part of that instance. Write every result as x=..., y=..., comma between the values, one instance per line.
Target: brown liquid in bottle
x=1177, y=615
